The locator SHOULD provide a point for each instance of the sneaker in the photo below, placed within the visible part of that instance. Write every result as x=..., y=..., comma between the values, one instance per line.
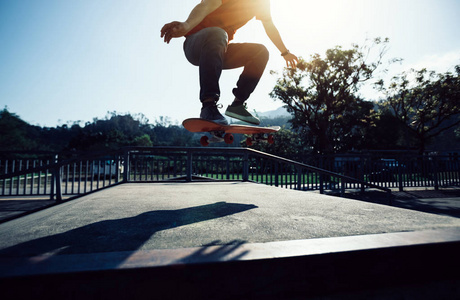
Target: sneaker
x=240, y=112
x=211, y=113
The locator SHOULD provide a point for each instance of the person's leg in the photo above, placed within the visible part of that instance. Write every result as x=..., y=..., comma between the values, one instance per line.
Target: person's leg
x=206, y=49
x=254, y=58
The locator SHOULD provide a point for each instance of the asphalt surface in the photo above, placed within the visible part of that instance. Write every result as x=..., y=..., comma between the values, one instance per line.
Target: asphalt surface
x=12, y=207
x=132, y=217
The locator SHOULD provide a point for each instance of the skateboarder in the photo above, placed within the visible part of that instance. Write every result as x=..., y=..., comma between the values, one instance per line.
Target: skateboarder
x=208, y=30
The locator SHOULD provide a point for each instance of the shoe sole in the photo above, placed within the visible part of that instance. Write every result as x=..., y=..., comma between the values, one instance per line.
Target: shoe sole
x=241, y=118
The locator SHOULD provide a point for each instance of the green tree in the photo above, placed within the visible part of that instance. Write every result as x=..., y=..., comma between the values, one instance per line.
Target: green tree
x=321, y=93
x=388, y=133
x=15, y=134
x=350, y=130
x=143, y=141
x=427, y=105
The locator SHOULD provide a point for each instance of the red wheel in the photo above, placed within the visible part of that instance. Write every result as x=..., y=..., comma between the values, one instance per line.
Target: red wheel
x=204, y=141
x=228, y=138
x=249, y=141
x=271, y=139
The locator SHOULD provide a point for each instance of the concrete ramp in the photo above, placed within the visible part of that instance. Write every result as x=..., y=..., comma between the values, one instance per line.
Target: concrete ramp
x=227, y=229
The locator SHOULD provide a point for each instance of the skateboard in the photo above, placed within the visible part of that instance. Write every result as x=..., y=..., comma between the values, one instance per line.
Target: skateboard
x=224, y=133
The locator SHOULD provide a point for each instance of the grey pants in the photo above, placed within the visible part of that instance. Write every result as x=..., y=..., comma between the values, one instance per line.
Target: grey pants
x=209, y=50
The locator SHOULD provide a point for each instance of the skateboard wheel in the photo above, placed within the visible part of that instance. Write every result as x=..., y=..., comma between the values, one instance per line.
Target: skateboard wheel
x=204, y=141
x=271, y=139
x=248, y=141
x=228, y=138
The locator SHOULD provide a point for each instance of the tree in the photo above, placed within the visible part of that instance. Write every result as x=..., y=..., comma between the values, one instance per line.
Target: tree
x=352, y=129
x=427, y=105
x=143, y=141
x=388, y=133
x=15, y=134
x=322, y=92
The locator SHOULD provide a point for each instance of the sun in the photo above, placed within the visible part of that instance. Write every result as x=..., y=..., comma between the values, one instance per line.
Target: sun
x=304, y=22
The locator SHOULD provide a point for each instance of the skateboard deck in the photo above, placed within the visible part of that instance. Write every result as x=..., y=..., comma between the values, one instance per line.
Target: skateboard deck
x=224, y=133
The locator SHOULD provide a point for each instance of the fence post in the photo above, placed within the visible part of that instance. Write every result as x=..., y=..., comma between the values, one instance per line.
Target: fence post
x=321, y=184
x=321, y=177
x=342, y=187
x=400, y=180
x=189, y=166
x=299, y=178
x=246, y=166
x=435, y=172
x=228, y=168
x=276, y=174
x=126, y=167
x=58, y=183
x=361, y=172
x=53, y=180
x=117, y=168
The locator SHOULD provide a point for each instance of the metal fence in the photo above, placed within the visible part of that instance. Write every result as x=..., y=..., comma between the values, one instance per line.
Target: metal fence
x=77, y=174
x=397, y=170
x=35, y=174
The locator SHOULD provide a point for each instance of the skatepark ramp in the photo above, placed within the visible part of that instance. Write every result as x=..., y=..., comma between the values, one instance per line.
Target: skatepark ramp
x=227, y=240
x=74, y=175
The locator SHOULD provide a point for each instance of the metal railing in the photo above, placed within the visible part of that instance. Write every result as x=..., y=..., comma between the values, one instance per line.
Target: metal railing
x=54, y=176
x=84, y=174
x=397, y=170
x=77, y=174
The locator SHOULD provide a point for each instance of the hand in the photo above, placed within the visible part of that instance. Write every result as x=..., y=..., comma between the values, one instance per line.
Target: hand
x=173, y=30
x=291, y=60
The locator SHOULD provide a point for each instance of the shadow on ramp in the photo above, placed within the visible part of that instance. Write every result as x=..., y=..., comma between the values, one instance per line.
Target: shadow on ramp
x=120, y=235
x=218, y=252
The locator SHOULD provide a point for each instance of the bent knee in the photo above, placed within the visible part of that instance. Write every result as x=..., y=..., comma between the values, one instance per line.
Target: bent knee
x=263, y=52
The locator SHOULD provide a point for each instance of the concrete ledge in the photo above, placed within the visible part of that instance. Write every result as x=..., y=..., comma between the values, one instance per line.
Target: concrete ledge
x=71, y=263
x=415, y=264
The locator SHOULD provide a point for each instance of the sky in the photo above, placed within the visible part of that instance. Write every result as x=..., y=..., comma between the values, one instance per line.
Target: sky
x=64, y=61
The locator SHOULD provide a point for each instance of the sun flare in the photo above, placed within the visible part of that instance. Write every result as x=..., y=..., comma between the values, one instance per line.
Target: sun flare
x=311, y=23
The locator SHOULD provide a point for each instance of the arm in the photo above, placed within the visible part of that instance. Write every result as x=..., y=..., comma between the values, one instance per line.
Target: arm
x=178, y=29
x=275, y=37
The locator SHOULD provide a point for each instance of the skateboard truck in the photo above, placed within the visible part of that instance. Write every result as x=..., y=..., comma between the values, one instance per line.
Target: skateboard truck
x=216, y=137
x=250, y=140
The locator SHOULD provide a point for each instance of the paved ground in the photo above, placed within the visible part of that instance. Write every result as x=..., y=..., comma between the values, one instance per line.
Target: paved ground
x=445, y=201
x=16, y=206
x=133, y=217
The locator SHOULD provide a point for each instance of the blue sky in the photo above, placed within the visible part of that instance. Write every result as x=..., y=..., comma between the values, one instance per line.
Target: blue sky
x=66, y=61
